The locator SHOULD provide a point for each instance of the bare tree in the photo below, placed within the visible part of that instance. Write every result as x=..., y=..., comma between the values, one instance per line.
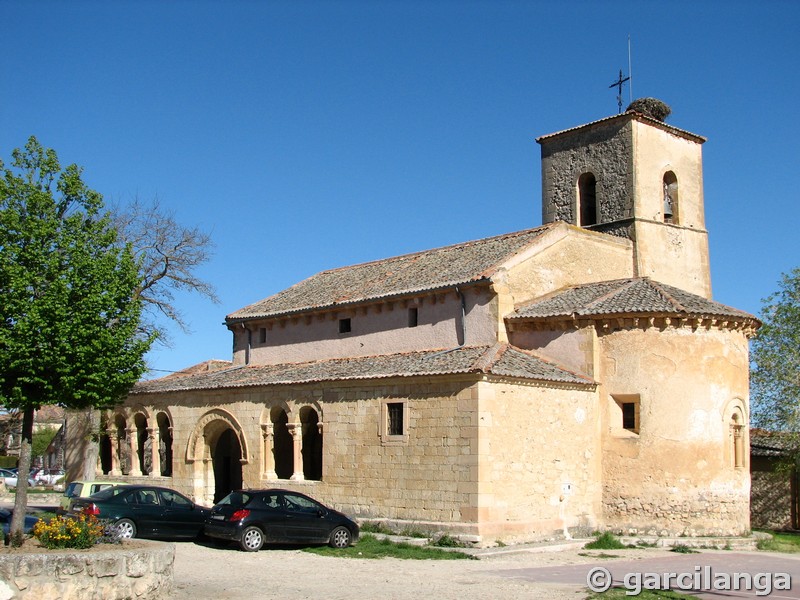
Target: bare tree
x=169, y=254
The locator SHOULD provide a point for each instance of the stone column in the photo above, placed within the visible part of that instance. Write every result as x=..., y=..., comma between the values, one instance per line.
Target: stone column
x=296, y=429
x=115, y=470
x=738, y=446
x=320, y=429
x=266, y=451
x=133, y=439
x=98, y=465
x=155, y=457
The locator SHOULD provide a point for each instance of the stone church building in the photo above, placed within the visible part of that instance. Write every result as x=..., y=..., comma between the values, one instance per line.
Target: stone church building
x=575, y=376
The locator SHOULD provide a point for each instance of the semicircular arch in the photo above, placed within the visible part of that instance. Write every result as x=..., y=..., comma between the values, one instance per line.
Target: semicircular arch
x=210, y=426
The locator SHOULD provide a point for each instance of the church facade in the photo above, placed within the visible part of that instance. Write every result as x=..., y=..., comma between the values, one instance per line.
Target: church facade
x=575, y=376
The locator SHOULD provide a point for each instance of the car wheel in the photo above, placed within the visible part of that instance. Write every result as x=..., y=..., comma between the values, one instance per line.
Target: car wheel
x=340, y=538
x=126, y=529
x=252, y=539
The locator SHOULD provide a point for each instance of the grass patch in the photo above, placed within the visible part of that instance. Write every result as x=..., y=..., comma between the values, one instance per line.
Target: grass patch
x=683, y=549
x=605, y=541
x=786, y=543
x=620, y=593
x=368, y=546
x=448, y=541
x=376, y=528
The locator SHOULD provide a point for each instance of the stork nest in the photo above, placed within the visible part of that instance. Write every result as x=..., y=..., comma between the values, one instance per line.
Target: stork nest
x=650, y=107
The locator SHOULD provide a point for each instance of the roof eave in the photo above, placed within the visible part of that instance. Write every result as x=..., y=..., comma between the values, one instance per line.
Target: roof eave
x=234, y=320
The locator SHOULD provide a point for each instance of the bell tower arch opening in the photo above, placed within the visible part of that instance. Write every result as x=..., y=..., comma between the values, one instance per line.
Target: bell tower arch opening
x=587, y=200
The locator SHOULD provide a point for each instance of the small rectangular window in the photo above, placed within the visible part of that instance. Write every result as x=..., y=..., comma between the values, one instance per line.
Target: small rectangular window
x=629, y=416
x=344, y=325
x=394, y=422
x=262, y=335
x=413, y=316
x=625, y=414
x=394, y=411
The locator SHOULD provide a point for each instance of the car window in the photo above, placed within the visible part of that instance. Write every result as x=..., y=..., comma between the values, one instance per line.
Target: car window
x=271, y=501
x=236, y=499
x=146, y=497
x=301, y=504
x=174, y=499
x=73, y=490
x=109, y=492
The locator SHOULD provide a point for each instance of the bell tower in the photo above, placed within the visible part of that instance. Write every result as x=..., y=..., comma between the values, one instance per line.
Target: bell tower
x=634, y=176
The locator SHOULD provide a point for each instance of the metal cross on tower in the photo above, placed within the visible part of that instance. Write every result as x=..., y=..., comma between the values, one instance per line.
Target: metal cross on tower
x=618, y=84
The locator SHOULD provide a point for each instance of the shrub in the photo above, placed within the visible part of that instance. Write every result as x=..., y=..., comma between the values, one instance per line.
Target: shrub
x=66, y=532
x=605, y=541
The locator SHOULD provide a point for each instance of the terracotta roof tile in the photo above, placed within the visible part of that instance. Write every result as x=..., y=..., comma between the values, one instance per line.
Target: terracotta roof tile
x=636, y=296
x=408, y=274
x=501, y=359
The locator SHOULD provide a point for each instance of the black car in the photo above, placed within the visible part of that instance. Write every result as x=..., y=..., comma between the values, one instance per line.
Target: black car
x=255, y=517
x=145, y=511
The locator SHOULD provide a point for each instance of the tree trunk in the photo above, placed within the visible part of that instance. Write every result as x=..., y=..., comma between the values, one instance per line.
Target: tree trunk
x=21, y=498
x=89, y=466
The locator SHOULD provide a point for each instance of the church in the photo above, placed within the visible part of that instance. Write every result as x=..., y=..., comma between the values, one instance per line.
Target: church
x=568, y=378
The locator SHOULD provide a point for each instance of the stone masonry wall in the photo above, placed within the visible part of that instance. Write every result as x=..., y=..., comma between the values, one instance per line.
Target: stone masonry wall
x=603, y=150
x=426, y=479
x=539, y=461
x=144, y=573
x=770, y=495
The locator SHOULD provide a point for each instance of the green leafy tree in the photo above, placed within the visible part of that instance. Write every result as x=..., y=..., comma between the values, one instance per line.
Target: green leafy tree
x=41, y=441
x=69, y=316
x=775, y=368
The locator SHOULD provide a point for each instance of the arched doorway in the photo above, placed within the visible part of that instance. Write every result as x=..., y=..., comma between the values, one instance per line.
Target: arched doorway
x=217, y=449
x=226, y=457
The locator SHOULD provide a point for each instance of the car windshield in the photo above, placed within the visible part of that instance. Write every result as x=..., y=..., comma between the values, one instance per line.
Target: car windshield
x=235, y=499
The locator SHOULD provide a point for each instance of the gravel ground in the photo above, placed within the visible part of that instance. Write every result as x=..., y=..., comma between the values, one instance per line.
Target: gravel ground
x=226, y=573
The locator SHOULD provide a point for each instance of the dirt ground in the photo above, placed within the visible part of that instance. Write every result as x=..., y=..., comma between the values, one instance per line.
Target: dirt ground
x=227, y=573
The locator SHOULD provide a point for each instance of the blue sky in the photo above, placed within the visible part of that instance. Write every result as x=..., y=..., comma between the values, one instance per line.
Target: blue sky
x=310, y=135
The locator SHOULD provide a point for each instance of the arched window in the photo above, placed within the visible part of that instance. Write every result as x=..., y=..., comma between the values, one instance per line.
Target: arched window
x=106, y=448
x=283, y=445
x=143, y=444
x=164, y=444
x=587, y=200
x=670, y=186
x=312, y=443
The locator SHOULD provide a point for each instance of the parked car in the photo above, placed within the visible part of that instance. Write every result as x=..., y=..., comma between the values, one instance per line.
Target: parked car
x=145, y=511
x=10, y=478
x=5, y=521
x=255, y=517
x=82, y=489
x=48, y=476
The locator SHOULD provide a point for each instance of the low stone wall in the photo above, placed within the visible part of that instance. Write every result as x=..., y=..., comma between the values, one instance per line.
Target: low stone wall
x=119, y=573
